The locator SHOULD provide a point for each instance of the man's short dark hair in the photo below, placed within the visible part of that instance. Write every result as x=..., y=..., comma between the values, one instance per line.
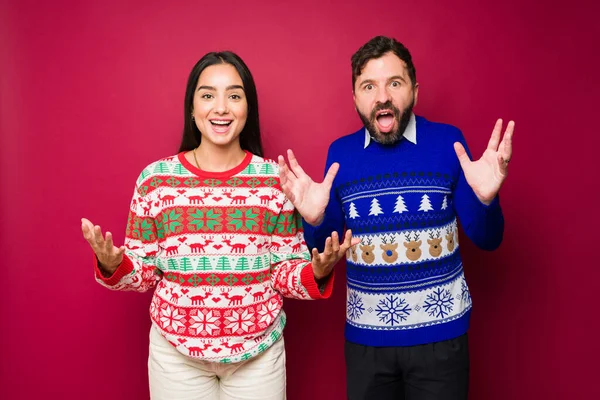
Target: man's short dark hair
x=378, y=47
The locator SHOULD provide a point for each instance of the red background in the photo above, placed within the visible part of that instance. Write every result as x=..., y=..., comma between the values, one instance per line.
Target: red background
x=91, y=92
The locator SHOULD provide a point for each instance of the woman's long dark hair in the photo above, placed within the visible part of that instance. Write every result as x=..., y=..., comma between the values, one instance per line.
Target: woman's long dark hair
x=250, y=135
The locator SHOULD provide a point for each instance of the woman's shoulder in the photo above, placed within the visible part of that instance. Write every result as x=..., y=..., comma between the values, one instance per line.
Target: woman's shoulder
x=165, y=166
x=263, y=165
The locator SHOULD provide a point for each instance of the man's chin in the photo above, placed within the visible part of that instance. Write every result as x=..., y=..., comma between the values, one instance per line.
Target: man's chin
x=391, y=137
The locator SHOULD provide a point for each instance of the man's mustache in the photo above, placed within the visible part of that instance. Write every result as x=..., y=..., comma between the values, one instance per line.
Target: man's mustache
x=384, y=106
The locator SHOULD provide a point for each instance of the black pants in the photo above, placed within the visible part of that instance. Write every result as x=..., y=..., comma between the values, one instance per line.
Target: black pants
x=434, y=371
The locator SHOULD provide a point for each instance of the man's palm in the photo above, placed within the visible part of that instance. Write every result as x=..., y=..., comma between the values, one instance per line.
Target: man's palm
x=486, y=175
x=309, y=197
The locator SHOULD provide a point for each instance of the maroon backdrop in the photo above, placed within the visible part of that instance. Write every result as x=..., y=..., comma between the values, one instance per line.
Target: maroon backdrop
x=91, y=92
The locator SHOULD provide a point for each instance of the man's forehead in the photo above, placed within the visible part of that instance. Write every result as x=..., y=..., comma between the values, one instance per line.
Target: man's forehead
x=384, y=67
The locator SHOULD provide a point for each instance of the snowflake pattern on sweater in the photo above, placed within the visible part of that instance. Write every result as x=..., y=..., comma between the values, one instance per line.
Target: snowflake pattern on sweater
x=221, y=251
x=405, y=279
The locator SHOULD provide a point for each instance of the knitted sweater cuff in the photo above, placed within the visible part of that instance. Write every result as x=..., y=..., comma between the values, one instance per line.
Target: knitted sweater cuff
x=307, y=279
x=122, y=270
x=485, y=207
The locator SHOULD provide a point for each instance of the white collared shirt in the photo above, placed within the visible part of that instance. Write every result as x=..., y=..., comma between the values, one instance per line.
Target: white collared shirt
x=410, y=133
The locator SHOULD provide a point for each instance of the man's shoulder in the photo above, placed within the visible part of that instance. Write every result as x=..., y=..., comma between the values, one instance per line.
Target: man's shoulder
x=351, y=141
x=427, y=127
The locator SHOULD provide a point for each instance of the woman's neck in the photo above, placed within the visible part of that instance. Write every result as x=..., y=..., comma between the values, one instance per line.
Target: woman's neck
x=216, y=158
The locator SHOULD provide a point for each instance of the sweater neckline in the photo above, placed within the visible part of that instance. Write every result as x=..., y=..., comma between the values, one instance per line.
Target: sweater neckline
x=210, y=174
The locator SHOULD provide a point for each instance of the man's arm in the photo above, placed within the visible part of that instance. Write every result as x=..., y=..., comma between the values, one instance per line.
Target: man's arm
x=476, y=200
x=318, y=203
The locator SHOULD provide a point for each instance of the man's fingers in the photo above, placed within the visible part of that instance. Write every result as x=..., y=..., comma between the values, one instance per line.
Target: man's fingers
x=331, y=173
x=296, y=168
x=282, y=167
x=495, y=138
x=462, y=155
x=284, y=171
x=506, y=145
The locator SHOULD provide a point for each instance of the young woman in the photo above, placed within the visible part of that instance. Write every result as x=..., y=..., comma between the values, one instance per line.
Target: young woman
x=212, y=231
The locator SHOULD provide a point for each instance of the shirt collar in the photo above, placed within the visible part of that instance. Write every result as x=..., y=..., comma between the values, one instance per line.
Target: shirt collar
x=410, y=133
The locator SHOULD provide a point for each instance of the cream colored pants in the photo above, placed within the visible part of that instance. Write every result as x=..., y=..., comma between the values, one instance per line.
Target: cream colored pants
x=174, y=376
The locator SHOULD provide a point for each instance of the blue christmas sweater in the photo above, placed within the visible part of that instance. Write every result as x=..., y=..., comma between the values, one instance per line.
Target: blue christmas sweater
x=405, y=284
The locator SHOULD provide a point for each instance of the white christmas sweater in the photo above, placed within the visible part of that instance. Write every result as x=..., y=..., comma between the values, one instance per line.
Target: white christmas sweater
x=221, y=249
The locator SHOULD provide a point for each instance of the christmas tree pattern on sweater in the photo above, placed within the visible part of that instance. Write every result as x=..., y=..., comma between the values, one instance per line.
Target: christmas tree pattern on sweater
x=221, y=249
x=410, y=300
x=405, y=279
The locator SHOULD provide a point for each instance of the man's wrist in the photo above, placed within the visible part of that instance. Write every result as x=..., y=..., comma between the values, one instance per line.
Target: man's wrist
x=317, y=221
x=485, y=200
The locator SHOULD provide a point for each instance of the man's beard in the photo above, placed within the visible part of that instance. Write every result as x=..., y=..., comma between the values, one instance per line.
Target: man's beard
x=392, y=137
